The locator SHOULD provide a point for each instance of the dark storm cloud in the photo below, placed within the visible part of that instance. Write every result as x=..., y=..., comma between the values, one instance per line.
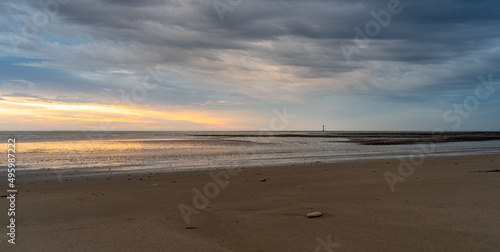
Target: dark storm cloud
x=305, y=35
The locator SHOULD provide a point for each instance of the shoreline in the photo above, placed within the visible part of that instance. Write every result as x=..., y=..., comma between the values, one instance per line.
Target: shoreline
x=28, y=175
x=445, y=205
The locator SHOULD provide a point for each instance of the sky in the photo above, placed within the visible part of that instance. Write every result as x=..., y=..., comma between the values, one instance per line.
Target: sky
x=382, y=65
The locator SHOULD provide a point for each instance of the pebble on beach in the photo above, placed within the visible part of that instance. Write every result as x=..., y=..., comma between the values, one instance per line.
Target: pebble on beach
x=314, y=214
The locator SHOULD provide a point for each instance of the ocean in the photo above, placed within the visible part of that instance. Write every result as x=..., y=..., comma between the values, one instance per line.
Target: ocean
x=122, y=151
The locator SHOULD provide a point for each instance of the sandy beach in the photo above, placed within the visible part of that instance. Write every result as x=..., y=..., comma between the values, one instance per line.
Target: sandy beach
x=445, y=205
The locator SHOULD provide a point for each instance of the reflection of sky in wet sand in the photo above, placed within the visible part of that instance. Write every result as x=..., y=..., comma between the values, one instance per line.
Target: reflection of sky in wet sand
x=105, y=146
x=78, y=147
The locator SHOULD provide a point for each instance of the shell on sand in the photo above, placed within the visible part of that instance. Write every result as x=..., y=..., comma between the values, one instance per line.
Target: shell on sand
x=314, y=214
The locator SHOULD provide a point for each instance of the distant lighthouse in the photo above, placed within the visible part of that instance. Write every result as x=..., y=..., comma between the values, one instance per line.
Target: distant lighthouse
x=323, y=128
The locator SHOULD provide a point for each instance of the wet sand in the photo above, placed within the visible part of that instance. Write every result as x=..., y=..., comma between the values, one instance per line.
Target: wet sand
x=445, y=205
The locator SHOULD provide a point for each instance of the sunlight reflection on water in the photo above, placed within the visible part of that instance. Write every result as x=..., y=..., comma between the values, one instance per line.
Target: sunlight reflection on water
x=177, y=151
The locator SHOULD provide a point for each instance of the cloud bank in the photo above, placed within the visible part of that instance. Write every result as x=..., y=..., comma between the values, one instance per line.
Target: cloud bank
x=416, y=54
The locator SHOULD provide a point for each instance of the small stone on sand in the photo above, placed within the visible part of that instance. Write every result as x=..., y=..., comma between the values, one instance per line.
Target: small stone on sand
x=262, y=180
x=314, y=214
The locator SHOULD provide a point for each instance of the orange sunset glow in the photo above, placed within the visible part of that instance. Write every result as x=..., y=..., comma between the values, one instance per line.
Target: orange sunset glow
x=36, y=112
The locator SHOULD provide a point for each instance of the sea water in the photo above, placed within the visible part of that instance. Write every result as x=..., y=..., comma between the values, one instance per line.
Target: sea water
x=175, y=150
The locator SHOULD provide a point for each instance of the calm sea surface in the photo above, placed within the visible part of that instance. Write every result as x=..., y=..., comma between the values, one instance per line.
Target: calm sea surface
x=171, y=151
